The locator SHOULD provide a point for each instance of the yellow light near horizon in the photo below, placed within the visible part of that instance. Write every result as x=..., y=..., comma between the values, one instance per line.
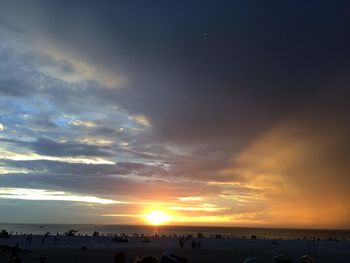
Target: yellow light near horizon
x=157, y=218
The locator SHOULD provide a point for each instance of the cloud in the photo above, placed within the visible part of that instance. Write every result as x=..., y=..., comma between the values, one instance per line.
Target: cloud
x=99, y=100
x=190, y=198
x=142, y=120
x=301, y=165
x=43, y=120
x=189, y=99
x=83, y=123
x=85, y=169
x=48, y=147
x=50, y=195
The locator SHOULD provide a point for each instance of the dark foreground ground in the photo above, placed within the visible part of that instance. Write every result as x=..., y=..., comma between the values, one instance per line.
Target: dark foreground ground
x=100, y=250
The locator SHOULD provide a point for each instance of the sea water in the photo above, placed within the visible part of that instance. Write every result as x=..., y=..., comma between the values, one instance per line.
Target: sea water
x=207, y=231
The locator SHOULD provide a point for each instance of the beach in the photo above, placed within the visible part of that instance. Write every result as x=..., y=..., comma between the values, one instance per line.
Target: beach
x=89, y=249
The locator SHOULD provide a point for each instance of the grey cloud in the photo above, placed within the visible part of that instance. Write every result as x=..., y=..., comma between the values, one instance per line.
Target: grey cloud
x=50, y=147
x=104, y=131
x=44, y=121
x=67, y=67
x=106, y=185
x=196, y=89
x=83, y=169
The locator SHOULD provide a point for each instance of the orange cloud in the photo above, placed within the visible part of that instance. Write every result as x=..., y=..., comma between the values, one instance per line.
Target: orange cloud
x=301, y=164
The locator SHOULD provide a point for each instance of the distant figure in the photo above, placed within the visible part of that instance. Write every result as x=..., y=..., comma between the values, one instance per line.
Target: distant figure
x=194, y=245
x=181, y=242
x=147, y=259
x=199, y=245
x=274, y=242
x=200, y=235
x=27, y=241
x=119, y=258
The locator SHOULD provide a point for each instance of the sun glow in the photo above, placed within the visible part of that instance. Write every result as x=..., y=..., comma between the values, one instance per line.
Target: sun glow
x=157, y=218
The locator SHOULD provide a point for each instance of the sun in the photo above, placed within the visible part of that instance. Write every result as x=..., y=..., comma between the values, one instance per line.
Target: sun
x=157, y=218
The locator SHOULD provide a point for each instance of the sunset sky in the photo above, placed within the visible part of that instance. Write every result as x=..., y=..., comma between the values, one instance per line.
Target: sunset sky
x=232, y=113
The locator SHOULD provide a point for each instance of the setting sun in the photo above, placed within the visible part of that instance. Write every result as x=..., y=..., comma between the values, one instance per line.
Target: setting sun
x=157, y=218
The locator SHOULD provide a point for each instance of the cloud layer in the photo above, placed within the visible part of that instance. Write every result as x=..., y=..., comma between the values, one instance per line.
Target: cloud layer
x=232, y=113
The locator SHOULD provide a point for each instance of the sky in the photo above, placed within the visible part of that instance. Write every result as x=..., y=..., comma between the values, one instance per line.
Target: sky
x=230, y=113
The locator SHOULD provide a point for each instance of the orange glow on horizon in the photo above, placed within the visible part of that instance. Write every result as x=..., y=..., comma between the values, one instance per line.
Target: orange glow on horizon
x=157, y=218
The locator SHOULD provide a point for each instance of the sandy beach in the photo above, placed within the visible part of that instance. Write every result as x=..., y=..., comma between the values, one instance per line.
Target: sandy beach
x=102, y=249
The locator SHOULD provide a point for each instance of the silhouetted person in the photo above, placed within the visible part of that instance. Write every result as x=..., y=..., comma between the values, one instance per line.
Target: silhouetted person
x=119, y=258
x=27, y=241
x=194, y=245
x=181, y=242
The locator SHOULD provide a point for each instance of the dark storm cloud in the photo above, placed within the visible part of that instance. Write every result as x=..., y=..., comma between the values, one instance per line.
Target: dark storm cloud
x=204, y=71
x=201, y=72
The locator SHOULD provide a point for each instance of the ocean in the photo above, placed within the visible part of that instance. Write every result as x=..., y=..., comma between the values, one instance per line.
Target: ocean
x=207, y=231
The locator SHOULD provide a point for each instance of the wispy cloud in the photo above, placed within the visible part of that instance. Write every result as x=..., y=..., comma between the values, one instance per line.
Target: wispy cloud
x=51, y=195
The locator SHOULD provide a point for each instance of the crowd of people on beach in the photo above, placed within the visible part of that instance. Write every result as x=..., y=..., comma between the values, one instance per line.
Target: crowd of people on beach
x=15, y=258
x=185, y=241
x=195, y=244
x=167, y=257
